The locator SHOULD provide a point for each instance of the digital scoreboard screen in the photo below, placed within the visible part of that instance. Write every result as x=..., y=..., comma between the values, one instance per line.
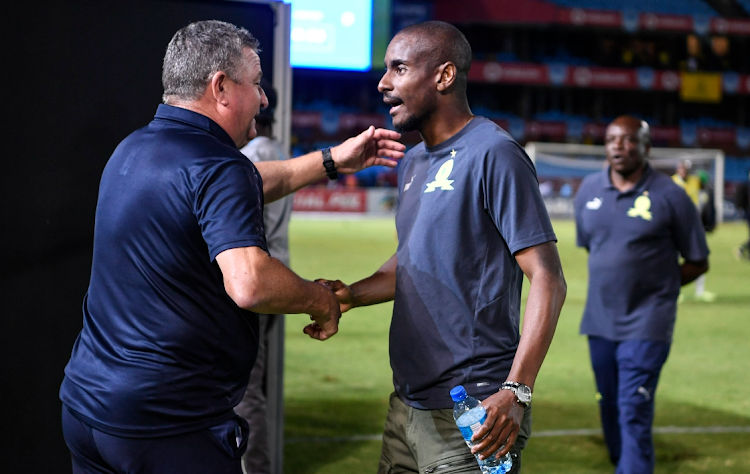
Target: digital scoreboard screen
x=331, y=34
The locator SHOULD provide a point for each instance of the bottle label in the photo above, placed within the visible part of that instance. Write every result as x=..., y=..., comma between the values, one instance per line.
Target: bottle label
x=468, y=430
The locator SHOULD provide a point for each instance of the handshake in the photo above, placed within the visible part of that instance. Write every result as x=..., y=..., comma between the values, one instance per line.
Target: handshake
x=326, y=324
x=377, y=288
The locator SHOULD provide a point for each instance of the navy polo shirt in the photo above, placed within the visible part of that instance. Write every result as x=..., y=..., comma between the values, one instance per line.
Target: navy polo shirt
x=163, y=349
x=466, y=206
x=634, y=241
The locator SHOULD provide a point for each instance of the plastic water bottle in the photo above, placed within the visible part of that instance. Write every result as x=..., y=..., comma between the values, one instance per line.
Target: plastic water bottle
x=469, y=415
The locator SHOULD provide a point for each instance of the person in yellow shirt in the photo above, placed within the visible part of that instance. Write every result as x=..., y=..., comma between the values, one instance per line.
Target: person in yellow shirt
x=692, y=186
x=689, y=182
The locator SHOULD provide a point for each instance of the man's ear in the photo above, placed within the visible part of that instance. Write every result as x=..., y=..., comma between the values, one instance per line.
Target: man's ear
x=447, y=76
x=218, y=87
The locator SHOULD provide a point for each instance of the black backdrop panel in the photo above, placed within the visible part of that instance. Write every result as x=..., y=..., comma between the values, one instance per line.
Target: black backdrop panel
x=90, y=74
x=79, y=77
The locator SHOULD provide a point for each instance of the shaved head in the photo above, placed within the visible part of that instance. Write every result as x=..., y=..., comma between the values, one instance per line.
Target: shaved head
x=627, y=142
x=635, y=124
x=438, y=43
x=426, y=71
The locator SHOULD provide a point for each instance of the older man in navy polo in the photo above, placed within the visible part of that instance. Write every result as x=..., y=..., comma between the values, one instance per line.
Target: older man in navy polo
x=636, y=224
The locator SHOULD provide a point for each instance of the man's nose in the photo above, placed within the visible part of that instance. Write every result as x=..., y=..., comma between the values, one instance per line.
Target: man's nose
x=383, y=84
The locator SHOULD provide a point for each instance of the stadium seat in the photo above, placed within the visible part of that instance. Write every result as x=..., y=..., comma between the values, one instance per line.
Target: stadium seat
x=745, y=4
x=736, y=168
x=671, y=7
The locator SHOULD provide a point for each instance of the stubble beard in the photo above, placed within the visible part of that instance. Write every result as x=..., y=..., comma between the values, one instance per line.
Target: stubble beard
x=628, y=171
x=413, y=123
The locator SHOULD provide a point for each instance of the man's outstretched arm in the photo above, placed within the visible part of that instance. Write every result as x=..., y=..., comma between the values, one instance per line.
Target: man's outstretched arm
x=258, y=282
x=371, y=147
x=541, y=265
x=377, y=288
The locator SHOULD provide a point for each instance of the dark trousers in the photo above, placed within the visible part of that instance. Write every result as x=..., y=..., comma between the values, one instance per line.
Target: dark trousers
x=626, y=376
x=215, y=450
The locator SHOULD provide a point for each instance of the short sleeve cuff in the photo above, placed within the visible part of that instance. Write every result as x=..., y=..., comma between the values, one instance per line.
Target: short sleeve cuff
x=531, y=242
x=235, y=244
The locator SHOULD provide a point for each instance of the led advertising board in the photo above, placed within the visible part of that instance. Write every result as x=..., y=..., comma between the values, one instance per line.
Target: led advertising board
x=331, y=34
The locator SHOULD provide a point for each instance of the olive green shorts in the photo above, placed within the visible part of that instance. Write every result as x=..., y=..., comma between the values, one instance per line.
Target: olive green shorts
x=429, y=442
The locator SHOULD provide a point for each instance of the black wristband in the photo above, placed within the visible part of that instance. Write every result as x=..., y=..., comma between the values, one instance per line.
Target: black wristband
x=330, y=166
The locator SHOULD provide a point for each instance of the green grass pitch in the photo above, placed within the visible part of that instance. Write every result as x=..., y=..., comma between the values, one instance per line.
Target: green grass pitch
x=337, y=390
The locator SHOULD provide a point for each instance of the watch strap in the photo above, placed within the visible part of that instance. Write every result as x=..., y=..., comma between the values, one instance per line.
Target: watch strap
x=329, y=165
x=513, y=387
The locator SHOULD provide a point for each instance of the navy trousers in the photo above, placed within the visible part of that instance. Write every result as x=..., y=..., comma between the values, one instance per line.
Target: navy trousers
x=626, y=376
x=215, y=450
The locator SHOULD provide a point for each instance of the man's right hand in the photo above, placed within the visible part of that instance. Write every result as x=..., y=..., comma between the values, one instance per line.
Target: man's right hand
x=325, y=324
x=369, y=148
x=500, y=429
x=342, y=291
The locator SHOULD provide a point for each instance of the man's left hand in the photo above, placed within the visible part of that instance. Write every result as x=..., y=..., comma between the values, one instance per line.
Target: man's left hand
x=369, y=148
x=501, y=428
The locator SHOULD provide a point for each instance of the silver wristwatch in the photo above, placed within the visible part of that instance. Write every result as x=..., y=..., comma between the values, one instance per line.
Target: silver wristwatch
x=522, y=391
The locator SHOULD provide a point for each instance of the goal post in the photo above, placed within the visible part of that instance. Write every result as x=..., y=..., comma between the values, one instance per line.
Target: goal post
x=571, y=162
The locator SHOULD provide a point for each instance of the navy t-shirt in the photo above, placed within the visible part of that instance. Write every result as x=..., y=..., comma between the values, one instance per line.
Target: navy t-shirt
x=163, y=349
x=465, y=207
x=634, y=241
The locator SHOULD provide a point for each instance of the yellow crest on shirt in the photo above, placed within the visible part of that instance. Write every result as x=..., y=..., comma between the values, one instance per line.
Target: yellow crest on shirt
x=641, y=208
x=441, y=178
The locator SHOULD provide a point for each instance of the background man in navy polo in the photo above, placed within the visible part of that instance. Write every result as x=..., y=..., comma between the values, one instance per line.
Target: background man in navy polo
x=636, y=223
x=742, y=201
x=471, y=223
x=181, y=265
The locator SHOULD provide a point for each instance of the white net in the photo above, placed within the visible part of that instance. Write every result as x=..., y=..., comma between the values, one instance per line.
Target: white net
x=561, y=167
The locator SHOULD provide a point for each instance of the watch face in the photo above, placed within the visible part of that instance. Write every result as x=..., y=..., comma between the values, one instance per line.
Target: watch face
x=523, y=393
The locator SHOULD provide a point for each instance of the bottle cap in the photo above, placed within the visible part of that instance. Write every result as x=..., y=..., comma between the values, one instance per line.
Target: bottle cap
x=458, y=393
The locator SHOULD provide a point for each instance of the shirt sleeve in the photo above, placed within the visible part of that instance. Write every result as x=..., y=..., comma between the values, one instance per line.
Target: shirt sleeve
x=582, y=238
x=262, y=149
x=689, y=234
x=512, y=197
x=229, y=207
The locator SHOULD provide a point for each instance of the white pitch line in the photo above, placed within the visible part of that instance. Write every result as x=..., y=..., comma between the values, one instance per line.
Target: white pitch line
x=546, y=433
x=335, y=439
x=341, y=216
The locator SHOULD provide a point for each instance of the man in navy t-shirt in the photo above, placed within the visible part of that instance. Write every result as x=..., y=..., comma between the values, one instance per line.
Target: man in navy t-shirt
x=471, y=223
x=636, y=223
x=180, y=268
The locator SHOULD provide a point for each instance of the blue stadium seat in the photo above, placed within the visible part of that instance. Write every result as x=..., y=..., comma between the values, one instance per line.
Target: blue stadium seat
x=736, y=168
x=493, y=114
x=562, y=56
x=673, y=7
x=706, y=121
x=745, y=4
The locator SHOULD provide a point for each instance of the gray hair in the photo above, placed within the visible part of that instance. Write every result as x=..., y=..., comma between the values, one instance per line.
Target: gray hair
x=198, y=51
